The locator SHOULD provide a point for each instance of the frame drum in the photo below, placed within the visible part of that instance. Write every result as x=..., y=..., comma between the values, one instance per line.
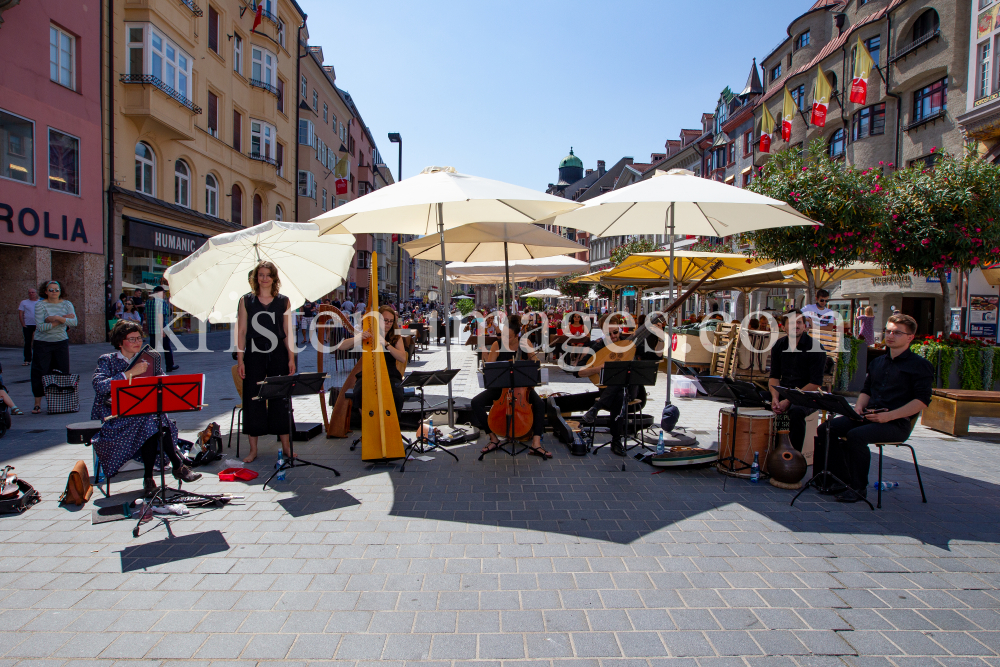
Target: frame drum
x=754, y=433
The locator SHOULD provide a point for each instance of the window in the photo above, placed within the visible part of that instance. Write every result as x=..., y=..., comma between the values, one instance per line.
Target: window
x=307, y=184
x=258, y=209
x=925, y=162
x=732, y=153
x=236, y=202
x=279, y=213
x=364, y=256
x=303, y=86
x=281, y=33
x=747, y=175
x=775, y=72
x=799, y=95
x=213, y=114
x=307, y=132
x=802, y=40
x=983, y=69
x=62, y=57
x=281, y=95
x=996, y=63
x=145, y=169
x=213, y=29
x=262, y=69
x=874, y=46
x=789, y=61
x=868, y=122
x=333, y=122
x=262, y=139
x=747, y=143
x=837, y=141
x=926, y=25
x=315, y=101
x=322, y=201
x=832, y=78
x=64, y=162
x=151, y=53
x=931, y=99
x=326, y=113
x=182, y=184
x=211, y=195
x=237, y=54
x=237, y=131
x=279, y=158
x=17, y=148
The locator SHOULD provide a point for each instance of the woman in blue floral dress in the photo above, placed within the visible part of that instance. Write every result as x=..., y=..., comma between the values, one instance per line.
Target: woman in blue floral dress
x=124, y=438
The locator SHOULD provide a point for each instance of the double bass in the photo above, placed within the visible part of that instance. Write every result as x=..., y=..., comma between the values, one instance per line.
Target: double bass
x=513, y=404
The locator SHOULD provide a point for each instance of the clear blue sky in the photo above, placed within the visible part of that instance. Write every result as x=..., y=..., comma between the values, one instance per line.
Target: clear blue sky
x=503, y=89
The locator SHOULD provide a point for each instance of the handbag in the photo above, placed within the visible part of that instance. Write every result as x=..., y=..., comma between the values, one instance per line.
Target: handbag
x=62, y=393
x=78, y=486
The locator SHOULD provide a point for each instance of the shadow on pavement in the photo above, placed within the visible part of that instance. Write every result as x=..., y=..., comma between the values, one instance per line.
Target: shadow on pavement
x=172, y=549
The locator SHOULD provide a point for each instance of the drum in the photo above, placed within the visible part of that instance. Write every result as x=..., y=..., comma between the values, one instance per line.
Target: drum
x=754, y=434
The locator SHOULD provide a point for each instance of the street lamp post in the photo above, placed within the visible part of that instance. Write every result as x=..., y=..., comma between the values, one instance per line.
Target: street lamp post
x=396, y=138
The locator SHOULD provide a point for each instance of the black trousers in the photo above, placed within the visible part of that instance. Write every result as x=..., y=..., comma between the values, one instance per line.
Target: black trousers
x=850, y=457
x=615, y=401
x=398, y=397
x=29, y=337
x=151, y=449
x=797, y=426
x=47, y=357
x=482, y=403
x=168, y=353
x=264, y=417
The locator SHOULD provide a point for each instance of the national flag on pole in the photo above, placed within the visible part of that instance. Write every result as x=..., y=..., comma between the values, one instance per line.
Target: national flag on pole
x=766, y=130
x=821, y=98
x=787, y=114
x=258, y=16
x=863, y=64
x=342, y=171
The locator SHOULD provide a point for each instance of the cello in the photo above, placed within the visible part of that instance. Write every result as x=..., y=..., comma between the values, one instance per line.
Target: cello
x=512, y=408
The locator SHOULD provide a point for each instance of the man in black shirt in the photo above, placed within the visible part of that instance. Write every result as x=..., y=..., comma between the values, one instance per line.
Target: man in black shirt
x=898, y=387
x=799, y=367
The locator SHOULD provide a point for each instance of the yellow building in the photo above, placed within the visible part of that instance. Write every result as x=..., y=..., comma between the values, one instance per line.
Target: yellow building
x=200, y=125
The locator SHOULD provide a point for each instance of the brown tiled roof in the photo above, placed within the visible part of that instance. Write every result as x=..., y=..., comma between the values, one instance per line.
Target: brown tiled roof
x=827, y=50
x=820, y=4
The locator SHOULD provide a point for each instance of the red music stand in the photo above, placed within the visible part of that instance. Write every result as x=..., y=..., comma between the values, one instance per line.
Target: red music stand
x=158, y=395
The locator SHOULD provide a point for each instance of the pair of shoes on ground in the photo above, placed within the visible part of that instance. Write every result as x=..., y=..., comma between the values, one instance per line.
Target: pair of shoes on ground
x=849, y=496
x=617, y=448
x=183, y=474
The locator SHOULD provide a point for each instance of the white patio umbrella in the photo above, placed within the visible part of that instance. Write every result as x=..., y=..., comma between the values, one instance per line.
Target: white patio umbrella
x=675, y=202
x=544, y=293
x=436, y=199
x=488, y=241
x=211, y=280
x=522, y=270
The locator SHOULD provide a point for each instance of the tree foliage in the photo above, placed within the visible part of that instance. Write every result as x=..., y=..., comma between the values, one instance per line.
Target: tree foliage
x=575, y=290
x=465, y=306
x=631, y=246
x=849, y=203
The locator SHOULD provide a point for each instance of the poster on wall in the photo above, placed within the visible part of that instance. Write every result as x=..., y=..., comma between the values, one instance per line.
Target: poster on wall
x=983, y=316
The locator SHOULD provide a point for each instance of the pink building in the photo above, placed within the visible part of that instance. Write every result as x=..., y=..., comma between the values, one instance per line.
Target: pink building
x=51, y=206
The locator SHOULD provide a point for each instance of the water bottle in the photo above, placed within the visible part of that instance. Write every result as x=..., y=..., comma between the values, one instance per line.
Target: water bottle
x=755, y=468
x=886, y=486
x=281, y=475
x=659, y=444
x=430, y=431
x=281, y=459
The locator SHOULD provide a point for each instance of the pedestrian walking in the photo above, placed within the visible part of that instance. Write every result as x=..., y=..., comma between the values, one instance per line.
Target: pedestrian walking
x=129, y=313
x=308, y=312
x=26, y=315
x=53, y=316
x=158, y=312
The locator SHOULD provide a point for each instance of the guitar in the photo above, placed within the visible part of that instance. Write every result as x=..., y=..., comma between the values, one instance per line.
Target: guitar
x=381, y=437
x=621, y=351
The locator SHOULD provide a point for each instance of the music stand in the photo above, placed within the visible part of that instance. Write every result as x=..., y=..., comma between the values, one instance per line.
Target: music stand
x=283, y=387
x=510, y=375
x=419, y=380
x=627, y=374
x=142, y=396
x=742, y=394
x=817, y=400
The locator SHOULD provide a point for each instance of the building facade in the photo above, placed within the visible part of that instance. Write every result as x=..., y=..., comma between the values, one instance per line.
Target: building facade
x=200, y=126
x=51, y=201
x=981, y=119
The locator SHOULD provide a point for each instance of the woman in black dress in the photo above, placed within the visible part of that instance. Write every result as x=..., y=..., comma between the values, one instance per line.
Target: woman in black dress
x=394, y=351
x=265, y=347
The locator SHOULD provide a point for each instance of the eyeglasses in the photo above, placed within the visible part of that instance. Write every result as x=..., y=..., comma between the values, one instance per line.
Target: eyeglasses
x=896, y=332
x=52, y=289
x=134, y=339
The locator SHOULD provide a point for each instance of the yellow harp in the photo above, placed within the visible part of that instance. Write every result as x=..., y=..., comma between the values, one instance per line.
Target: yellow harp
x=380, y=434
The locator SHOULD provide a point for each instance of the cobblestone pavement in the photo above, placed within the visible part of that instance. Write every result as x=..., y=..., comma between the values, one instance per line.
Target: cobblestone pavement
x=566, y=561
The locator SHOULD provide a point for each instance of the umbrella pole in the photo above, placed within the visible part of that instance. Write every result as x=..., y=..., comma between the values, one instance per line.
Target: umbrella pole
x=447, y=311
x=506, y=284
x=670, y=317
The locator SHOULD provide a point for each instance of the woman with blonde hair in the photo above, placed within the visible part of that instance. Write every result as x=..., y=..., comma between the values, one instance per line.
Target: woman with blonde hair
x=265, y=340
x=866, y=325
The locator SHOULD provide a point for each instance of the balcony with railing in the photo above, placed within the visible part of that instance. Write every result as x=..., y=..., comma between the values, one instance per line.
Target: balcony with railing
x=149, y=79
x=195, y=9
x=263, y=171
x=915, y=44
x=263, y=85
x=147, y=99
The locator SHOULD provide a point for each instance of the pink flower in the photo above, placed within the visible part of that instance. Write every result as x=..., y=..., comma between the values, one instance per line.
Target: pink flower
x=933, y=149
x=833, y=251
x=894, y=216
x=926, y=242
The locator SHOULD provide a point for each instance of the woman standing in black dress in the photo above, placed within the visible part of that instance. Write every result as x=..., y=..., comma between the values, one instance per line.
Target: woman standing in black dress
x=266, y=338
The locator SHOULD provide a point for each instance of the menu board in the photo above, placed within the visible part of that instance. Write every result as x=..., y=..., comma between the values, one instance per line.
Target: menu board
x=983, y=316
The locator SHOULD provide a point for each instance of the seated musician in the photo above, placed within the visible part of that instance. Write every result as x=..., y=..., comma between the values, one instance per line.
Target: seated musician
x=897, y=387
x=613, y=399
x=650, y=346
x=124, y=438
x=394, y=352
x=796, y=368
x=482, y=403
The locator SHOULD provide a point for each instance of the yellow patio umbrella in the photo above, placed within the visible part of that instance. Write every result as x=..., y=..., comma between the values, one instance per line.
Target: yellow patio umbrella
x=689, y=266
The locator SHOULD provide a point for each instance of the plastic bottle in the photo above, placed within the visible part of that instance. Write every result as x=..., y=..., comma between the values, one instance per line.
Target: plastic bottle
x=279, y=464
x=755, y=468
x=659, y=444
x=430, y=431
x=886, y=486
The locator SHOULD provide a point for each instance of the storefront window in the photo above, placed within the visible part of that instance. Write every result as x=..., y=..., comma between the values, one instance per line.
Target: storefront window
x=17, y=148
